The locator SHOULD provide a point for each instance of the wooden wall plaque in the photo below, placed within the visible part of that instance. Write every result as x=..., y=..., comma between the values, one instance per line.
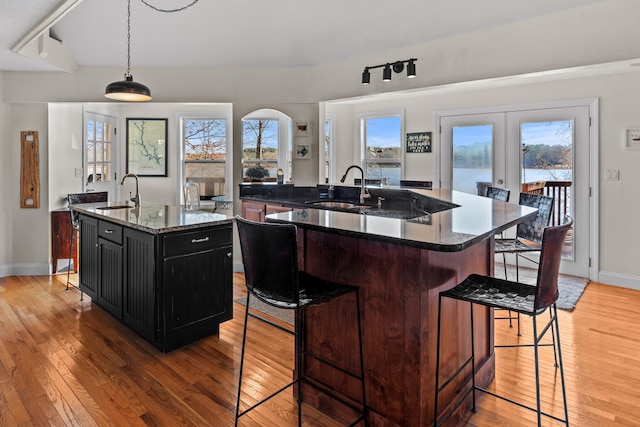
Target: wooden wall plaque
x=29, y=170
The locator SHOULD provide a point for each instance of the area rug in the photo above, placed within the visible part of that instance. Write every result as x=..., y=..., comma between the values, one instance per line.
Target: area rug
x=284, y=315
x=570, y=288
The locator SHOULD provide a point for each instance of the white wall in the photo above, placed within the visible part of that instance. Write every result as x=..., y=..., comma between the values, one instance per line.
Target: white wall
x=6, y=184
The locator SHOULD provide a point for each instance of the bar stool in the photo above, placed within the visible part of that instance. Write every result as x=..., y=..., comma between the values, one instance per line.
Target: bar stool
x=74, y=198
x=269, y=253
x=528, y=234
x=532, y=300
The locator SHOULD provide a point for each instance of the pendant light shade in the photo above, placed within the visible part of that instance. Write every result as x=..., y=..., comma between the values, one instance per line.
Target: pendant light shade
x=128, y=90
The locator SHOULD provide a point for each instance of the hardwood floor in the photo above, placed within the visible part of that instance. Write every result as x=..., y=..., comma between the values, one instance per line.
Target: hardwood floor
x=65, y=362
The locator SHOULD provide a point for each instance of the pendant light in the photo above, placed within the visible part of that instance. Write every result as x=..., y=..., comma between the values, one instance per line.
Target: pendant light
x=127, y=89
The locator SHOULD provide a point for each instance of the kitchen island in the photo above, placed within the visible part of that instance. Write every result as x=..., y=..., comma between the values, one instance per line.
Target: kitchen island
x=401, y=263
x=165, y=271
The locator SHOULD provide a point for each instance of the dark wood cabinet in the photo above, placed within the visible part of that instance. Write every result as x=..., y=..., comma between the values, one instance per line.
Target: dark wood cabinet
x=172, y=288
x=253, y=211
x=61, y=239
x=90, y=271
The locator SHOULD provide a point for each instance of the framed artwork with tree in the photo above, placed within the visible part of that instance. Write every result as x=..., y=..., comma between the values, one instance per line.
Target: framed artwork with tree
x=147, y=147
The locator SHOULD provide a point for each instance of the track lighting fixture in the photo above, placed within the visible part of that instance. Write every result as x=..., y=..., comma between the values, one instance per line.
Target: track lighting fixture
x=397, y=67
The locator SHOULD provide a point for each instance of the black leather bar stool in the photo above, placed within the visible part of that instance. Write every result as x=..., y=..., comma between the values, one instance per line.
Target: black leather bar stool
x=270, y=257
x=74, y=198
x=532, y=300
x=528, y=235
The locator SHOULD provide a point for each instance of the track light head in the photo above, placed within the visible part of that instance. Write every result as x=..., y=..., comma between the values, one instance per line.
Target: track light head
x=386, y=74
x=366, y=76
x=411, y=69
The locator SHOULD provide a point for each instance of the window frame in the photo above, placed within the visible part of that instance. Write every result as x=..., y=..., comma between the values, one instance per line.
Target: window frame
x=362, y=137
x=228, y=162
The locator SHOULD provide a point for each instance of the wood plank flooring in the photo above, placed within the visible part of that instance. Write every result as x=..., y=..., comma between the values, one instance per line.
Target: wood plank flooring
x=65, y=362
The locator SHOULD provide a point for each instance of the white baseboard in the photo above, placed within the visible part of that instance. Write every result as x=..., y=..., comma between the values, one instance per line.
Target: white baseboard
x=617, y=279
x=25, y=270
x=238, y=267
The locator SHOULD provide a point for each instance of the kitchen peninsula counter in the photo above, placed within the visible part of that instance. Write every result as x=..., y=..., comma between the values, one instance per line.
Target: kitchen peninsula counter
x=400, y=266
x=164, y=271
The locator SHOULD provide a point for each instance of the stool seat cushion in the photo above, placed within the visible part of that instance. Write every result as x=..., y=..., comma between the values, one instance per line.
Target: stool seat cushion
x=312, y=291
x=496, y=293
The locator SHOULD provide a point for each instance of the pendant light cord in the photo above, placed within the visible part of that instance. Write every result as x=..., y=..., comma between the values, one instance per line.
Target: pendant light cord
x=170, y=10
x=128, y=38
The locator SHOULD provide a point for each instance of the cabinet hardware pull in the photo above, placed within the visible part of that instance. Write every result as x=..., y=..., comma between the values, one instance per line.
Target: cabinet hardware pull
x=108, y=231
x=205, y=239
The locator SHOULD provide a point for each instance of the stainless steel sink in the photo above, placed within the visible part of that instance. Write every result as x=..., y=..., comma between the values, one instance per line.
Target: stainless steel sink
x=338, y=204
x=114, y=207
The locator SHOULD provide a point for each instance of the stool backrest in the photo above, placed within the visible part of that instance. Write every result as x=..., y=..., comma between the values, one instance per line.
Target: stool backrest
x=92, y=197
x=532, y=229
x=270, y=258
x=497, y=193
x=553, y=239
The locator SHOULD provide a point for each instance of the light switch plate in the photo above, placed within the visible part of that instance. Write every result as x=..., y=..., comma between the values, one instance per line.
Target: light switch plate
x=612, y=175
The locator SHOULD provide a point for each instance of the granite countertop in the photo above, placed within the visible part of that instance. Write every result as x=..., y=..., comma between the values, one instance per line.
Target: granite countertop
x=468, y=219
x=152, y=218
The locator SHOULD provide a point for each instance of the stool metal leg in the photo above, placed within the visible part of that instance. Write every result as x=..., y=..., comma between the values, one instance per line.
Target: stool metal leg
x=244, y=341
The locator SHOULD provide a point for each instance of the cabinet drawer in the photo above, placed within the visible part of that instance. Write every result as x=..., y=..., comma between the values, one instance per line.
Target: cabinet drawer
x=196, y=241
x=110, y=231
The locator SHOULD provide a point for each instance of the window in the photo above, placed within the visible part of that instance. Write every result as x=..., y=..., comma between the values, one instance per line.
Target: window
x=382, y=143
x=98, y=150
x=205, y=155
x=260, y=149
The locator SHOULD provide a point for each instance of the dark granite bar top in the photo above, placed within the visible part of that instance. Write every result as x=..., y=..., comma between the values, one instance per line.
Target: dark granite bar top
x=440, y=220
x=152, y=218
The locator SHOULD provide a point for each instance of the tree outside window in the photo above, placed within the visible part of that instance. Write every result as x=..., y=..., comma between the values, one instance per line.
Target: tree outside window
x=260, y=148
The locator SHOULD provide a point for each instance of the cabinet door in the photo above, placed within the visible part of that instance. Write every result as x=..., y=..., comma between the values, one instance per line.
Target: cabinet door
x=253, y=211
x=89, y=278
x=110, y=288
x=197, y=295
x=140, y=301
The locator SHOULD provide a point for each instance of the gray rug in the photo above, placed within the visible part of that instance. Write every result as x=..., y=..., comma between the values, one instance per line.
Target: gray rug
x=284, y=315
x=571, y=288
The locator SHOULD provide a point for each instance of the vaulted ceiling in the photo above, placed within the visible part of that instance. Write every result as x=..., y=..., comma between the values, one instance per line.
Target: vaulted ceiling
x=256, y=33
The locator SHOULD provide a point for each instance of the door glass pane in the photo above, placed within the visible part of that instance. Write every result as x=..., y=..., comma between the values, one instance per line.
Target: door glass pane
x=472, y=158
x=547, y=166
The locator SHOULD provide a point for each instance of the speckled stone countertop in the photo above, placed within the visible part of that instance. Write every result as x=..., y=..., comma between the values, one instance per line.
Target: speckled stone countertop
x=152, y=218
x=474, y=219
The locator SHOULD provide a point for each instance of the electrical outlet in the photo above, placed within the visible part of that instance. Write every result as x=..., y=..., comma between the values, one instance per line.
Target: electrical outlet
x=612, y=174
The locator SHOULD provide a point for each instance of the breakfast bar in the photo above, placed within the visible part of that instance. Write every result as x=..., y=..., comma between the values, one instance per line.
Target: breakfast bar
x=400, y=262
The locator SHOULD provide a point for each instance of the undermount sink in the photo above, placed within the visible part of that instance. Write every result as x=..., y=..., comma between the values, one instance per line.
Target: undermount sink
x=114, y=207
x=339, y=205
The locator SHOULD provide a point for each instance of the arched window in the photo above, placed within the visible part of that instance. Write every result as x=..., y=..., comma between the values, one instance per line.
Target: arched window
x=266, y=145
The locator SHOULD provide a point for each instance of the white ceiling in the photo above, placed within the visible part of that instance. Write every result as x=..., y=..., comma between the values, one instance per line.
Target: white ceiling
x=275, y=33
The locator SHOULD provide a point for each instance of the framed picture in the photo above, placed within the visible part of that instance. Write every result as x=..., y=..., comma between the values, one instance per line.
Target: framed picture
x=303, y=151
x=633, y=139
x=418, y=142
x=303, y=129
x=147, y=147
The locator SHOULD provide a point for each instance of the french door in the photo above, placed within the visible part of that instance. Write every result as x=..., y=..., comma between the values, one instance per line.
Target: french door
x=523, y=149
x=100, y=154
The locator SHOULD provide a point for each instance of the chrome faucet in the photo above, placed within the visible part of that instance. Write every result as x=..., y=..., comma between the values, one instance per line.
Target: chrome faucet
x=363, y=191
x=135, y=199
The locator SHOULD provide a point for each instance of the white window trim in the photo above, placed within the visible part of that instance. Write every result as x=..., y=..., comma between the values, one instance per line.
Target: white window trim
x=228, y=169
x=360, y=147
